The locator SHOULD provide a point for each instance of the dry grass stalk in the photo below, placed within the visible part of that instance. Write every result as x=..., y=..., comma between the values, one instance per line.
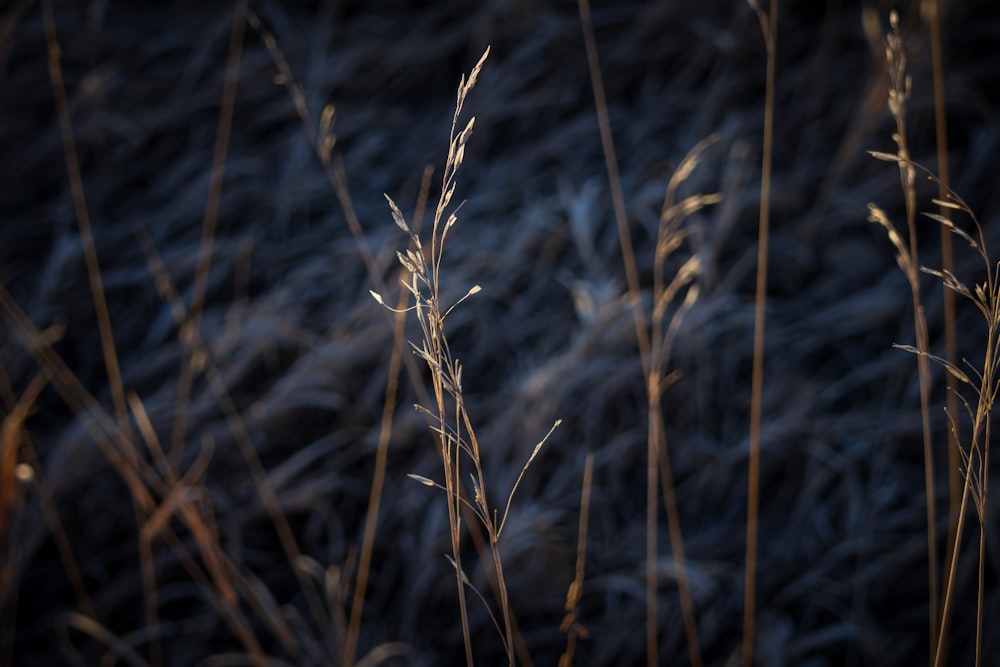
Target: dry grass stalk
x=451, y=422
x=984, y=383
x=655, y=344
x=907, y=258
x=322, y=140
x=108, y=348
x=638, y=315
x=976, y=456
x=931, y=10
x=663, y=334
x=381, y=450
x=769, y=29
x=210, y=219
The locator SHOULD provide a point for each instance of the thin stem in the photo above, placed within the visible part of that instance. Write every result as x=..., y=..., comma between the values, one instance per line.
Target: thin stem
x=381, y=451
x=979, y=596
x=898, y=94
x=933, y=13
x=639, y=318
x=757, y=380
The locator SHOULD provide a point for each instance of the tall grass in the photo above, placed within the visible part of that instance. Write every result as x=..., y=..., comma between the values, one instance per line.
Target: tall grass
x=450, y=420
x=931, y=10
x=982, y=380
x=655, y=343
x=907, y=257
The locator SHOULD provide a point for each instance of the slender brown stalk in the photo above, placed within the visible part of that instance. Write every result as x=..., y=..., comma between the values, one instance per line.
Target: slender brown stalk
x=615, y=183
x=769, y=27
x=677, y=546
x=670, y=236
x=899, y=92
x=932, y=13
x=652, y=482
x=976, y=459
x=219, y=156
x=481, y=543
x=382, y=448
x=986, y=298
x=639, y=317
x=83, y=220
x=210, y=219
x=323, y=140
x=104, y=327
x=939, y=658
x=445, y=371
x=654, y=348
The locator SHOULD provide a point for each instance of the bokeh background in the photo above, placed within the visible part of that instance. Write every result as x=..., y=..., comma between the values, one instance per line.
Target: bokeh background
x=290, y=341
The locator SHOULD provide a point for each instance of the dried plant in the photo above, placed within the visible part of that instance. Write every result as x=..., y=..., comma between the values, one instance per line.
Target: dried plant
x=655, y=342
x=907, y=258
x=983, y=381
x=450, y=421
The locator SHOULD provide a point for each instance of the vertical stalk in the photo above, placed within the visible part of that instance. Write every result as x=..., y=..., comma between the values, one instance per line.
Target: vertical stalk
x=639, y=318
x=932, y=13
x=770, y=30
